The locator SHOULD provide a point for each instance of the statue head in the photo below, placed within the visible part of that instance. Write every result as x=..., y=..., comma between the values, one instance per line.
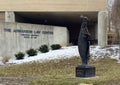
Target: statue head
x=85, y=19
x=84, y=22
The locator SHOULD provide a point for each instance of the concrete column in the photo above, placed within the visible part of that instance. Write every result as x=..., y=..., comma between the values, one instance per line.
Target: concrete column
x=102, y=28
x=9, y=16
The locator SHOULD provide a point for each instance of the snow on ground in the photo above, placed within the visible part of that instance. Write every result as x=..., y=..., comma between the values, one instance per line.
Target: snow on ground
x=96, y=52
x=64, y=52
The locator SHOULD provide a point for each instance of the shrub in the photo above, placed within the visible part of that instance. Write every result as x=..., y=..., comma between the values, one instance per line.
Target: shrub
x=44, y=49
x=31, y=52
x=5, y=59
x=55, y=46
x=19, y=56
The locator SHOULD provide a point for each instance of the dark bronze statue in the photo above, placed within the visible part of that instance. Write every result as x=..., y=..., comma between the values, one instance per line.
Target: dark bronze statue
x=84, y=41
x=84, y=70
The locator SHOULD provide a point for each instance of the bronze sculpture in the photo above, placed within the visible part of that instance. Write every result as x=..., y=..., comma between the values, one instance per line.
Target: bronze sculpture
x=84, y=70
x=84, y=41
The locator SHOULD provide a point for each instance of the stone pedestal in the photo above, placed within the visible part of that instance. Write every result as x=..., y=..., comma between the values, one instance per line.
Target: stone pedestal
x=85, y=71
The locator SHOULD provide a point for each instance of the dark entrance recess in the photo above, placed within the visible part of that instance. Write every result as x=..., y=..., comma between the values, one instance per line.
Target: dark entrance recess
x=71, y=20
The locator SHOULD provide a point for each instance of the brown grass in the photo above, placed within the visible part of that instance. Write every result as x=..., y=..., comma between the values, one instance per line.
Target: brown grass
x=62, y=72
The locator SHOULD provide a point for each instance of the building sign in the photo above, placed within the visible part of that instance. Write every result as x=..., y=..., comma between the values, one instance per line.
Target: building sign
x=28, y=33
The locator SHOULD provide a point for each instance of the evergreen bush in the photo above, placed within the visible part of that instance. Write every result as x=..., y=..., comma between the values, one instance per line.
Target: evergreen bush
x=19, y=55
x=44, y=49
x=55, y=46
x=31, y=52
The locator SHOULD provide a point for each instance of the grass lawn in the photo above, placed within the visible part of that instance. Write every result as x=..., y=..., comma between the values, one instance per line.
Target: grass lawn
x=62, y=72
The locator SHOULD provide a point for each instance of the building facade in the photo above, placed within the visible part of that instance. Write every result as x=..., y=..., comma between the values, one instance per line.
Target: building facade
x=60, y=19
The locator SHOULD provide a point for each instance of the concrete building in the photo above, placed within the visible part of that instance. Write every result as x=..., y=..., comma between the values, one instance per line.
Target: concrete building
x=56, y=16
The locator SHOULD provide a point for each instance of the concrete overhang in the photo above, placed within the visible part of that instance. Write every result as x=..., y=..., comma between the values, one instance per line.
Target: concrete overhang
x=53, y=5
x=56, y=18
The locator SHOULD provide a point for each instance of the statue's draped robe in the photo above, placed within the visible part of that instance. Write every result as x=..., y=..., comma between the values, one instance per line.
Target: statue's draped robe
x=84, y=43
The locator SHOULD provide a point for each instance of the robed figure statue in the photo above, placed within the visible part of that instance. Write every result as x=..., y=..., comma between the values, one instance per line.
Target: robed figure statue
x=84, y=70
x=84, y=42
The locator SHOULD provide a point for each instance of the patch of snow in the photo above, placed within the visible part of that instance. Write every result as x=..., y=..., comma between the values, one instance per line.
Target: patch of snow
x=64, y=52
x=96, y=52
x=1, y=63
